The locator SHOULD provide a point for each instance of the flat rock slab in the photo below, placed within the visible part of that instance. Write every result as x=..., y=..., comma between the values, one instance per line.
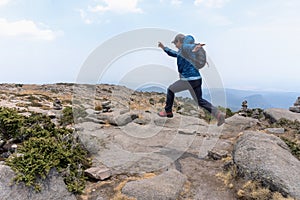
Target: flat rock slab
x=166, y=186
x=135, y=148
x=99, y=173
x=235, y=124
x=267, y=158
x=275, y=130
x=276, y=114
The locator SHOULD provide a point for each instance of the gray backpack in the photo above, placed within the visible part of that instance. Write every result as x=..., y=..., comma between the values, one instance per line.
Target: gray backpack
x=199, y=58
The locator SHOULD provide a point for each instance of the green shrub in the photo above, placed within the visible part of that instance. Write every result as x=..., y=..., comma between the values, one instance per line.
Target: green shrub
x=18, y=85
x=227, y=111
x=67, y=116
x=162, y=100
x=11, y=123
x=43, y=147
x=295, y=148
x=69, y=113
x=40, y=155
x=287, y=123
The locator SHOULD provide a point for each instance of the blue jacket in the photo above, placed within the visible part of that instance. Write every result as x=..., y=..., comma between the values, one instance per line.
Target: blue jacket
x=185, y=65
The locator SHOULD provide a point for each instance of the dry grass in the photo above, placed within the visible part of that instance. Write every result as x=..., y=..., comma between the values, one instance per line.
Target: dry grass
x=278, y=196
x=253, y=191
x=250, y=190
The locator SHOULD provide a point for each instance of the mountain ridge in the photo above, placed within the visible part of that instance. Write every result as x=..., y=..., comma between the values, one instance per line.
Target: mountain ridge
x=235, y=97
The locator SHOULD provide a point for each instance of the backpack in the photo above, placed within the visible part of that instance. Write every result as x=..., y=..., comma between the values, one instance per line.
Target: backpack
x=199, y=58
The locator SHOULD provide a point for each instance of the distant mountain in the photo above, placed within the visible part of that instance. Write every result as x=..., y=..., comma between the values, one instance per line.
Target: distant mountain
x=234, y=97
x=152, y=89
x=256, y=99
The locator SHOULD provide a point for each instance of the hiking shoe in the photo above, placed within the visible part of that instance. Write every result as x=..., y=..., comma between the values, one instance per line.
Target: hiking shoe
x=221, y=119
x=165, y=114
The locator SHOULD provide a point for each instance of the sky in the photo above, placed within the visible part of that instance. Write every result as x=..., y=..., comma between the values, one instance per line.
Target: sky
x=253, y=44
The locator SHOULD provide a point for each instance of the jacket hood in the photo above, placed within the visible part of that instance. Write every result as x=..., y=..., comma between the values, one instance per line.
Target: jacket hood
x=188, y=40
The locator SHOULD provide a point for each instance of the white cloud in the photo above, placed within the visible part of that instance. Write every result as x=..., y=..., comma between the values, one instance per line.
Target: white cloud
x=84, y=17
x=116, y=6
x=4, y=2
x=211, y=3
x=176, y=3
x=26, y=28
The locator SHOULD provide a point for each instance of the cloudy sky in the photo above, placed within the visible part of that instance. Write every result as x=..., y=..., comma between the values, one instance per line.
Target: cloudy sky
x=253, y=44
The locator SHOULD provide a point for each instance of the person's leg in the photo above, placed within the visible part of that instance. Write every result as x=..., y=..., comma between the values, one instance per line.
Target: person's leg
x=196, y=92
x=178, y=86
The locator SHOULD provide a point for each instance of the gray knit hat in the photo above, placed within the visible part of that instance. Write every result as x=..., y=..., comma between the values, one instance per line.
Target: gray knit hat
x=178, y=37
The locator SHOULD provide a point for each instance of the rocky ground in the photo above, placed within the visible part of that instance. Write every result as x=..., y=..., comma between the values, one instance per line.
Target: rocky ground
x=137, y=155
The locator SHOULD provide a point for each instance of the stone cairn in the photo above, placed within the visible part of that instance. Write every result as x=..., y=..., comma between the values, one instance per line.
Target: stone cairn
x=57, y=104
x=296, y=107
x=244, y=110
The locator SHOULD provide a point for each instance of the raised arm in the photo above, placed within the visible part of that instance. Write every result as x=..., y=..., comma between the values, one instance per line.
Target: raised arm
x=169, y=51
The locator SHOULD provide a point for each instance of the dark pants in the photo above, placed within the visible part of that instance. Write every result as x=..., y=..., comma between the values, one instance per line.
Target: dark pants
x=196, y=91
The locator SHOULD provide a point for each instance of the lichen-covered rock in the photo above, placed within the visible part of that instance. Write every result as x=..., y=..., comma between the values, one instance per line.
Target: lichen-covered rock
x=53, y=187
x=275, y=114
x=267, y=158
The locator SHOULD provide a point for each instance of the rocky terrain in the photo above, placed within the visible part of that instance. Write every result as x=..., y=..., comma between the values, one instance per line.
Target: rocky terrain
x=137, y=155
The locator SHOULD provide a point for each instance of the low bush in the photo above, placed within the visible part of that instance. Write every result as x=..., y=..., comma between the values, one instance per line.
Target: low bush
x=43, y=146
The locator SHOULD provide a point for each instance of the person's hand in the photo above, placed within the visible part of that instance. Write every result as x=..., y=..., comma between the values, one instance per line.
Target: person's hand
x=197, y=47
x=161, y=45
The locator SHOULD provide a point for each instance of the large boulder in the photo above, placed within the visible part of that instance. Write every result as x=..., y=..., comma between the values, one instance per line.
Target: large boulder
x=166, y=186
x=275, y=114
x=53, y=187
x=264, y=157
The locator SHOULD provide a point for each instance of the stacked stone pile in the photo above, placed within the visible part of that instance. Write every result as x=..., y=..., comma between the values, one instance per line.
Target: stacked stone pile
x=296, y=107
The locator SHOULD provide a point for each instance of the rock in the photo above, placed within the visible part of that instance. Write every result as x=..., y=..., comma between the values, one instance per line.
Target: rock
x=5, y=154
x=275, y=130
x=106, y=106
x=275, y=114
x=217, y=155
x=255, y=114
x=57, y=104
x=237, y=123
x=296, y=107
x=98, y=173
x=144, y=119
x=14, y=147
x=53, y=187
x=122, y=120
x=52, y=115
x=90, y=111
x=91, y=136
x=93, y=119
x=166, y=186
x=26, y=114
x=237, y=120
x=2, y=143
x=105, y=103
x=297, y=103
x=267, y=158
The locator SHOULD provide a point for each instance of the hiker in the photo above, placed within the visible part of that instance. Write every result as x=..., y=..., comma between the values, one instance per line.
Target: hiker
x=190, y=78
